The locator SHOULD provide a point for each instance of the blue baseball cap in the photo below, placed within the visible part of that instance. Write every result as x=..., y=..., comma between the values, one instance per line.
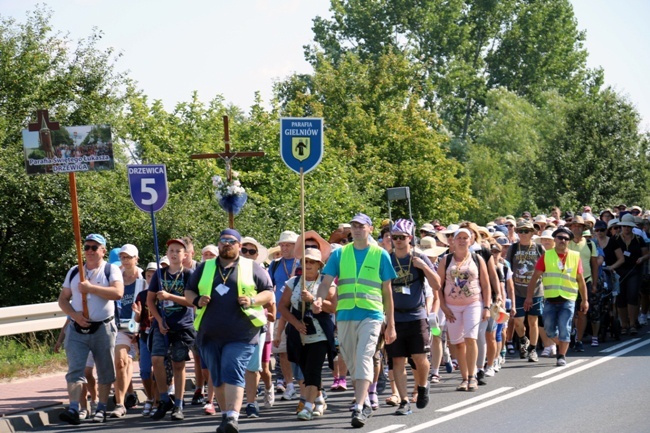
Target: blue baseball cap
x=361, y=218
x=96, y=238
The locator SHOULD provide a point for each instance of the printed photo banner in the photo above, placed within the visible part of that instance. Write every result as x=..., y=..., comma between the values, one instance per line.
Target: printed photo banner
x=68, y=149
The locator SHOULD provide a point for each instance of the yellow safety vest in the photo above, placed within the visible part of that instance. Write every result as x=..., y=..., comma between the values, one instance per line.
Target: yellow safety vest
x=561, y=282
x=364, y=290
x=245, y=287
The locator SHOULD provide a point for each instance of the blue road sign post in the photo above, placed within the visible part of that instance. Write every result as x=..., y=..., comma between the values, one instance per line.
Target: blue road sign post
x=301, y=142
x=149, y=192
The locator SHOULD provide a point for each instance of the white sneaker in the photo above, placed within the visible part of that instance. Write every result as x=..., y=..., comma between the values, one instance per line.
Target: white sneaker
x=289, y=394
x=319, y=408
x=643, y=319
x=496, y=365
x=549, y=351
x=489, y=372
x=269, y=398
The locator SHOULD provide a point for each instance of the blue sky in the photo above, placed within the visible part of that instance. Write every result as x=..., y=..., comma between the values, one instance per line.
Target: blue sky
x=235, y=48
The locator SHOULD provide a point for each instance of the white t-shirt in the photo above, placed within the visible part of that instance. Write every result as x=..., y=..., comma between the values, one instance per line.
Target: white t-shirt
x=99, y=309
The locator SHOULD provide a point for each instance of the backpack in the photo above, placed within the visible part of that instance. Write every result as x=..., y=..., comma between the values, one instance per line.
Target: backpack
x=107, y=274
x=512, y=251
x=449, y=256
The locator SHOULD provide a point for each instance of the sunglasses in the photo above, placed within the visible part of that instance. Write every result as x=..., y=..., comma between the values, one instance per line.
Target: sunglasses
x=524, y=232
x=600, y=230
x=449, y=235
x=91, y=247
x=227, y=241
x=509, y=226
x=562, y=238
x=615, y=228
x=251, y=251
x=399, y=237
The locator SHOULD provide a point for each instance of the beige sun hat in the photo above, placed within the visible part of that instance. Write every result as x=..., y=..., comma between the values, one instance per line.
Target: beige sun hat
x=262, y=251
x=287, y=236
x=429, y=248
x=442, y=235
x=314, y=254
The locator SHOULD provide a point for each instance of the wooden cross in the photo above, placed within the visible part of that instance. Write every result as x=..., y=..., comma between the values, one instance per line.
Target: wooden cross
x=227, y=156
x=44, y=126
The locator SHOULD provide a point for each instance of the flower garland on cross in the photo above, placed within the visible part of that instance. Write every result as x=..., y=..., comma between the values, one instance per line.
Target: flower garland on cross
x=229, y=192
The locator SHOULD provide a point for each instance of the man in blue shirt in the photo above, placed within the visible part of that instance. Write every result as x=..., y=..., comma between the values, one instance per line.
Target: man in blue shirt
x=360, y=310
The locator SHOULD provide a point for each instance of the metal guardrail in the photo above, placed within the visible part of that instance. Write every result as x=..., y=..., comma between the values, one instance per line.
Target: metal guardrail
x=30, y=318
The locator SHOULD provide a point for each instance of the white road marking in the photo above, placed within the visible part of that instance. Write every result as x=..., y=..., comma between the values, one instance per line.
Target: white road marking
x=619, y=345
x=388, y=428
x=560, y=369
x=475, y=399
x=521, y=391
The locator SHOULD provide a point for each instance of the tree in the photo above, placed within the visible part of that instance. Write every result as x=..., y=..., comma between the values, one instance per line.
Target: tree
x=465, y=48
x=375, y=122
x=79, y=85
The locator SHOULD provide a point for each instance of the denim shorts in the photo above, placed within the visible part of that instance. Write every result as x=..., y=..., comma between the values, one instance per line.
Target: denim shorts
x=227, y=362
x=180, y=342
x=255, y=363
x=558, y=318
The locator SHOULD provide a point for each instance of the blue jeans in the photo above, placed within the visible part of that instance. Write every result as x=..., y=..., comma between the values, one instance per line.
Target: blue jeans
x=558, y=318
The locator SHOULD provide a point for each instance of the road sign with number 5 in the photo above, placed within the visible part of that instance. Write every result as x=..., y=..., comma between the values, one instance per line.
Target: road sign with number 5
x=148, y=185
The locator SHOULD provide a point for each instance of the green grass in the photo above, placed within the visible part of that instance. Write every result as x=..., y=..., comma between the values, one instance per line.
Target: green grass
x=30, y=354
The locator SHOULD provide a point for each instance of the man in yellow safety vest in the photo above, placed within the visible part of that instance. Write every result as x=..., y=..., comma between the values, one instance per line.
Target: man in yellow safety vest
x=229, y=293
x=364, y=297
x=562, y=276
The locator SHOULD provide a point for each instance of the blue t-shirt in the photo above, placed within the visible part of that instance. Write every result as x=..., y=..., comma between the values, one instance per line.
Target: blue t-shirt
x=386, y=273
x=280, y=272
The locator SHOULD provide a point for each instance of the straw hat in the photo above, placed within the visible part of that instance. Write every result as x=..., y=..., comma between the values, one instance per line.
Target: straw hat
x=324, y=246
x=271, y=253
x=429, y=248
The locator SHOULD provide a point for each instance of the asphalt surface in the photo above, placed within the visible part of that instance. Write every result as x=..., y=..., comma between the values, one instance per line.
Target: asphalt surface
x=603, y=389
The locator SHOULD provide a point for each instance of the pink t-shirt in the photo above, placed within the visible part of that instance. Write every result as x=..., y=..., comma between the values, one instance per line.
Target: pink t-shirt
x=462, y=286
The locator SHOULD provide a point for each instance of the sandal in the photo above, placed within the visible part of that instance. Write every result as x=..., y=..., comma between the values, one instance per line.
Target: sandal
x=473, y=384
x=393, y=400
x=463, y=386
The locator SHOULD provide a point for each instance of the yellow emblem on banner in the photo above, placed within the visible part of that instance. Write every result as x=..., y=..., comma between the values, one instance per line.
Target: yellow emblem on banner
x=300, y=148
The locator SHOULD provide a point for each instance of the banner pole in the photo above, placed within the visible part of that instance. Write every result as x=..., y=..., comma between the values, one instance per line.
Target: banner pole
x=158, y=273
x=77, y=237
x=302, y=231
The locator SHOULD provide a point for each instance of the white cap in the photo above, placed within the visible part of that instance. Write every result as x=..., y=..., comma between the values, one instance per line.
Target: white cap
x=129, y=249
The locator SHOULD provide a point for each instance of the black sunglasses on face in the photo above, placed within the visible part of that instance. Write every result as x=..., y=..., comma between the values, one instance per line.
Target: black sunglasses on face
x=562, y=238
x=524, y=231
x=399, y=237
x=600, y=230
x=91, y=247
x=251, y=251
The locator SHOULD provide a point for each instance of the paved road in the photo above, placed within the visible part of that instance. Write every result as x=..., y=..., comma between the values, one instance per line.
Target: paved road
x=601, y=390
